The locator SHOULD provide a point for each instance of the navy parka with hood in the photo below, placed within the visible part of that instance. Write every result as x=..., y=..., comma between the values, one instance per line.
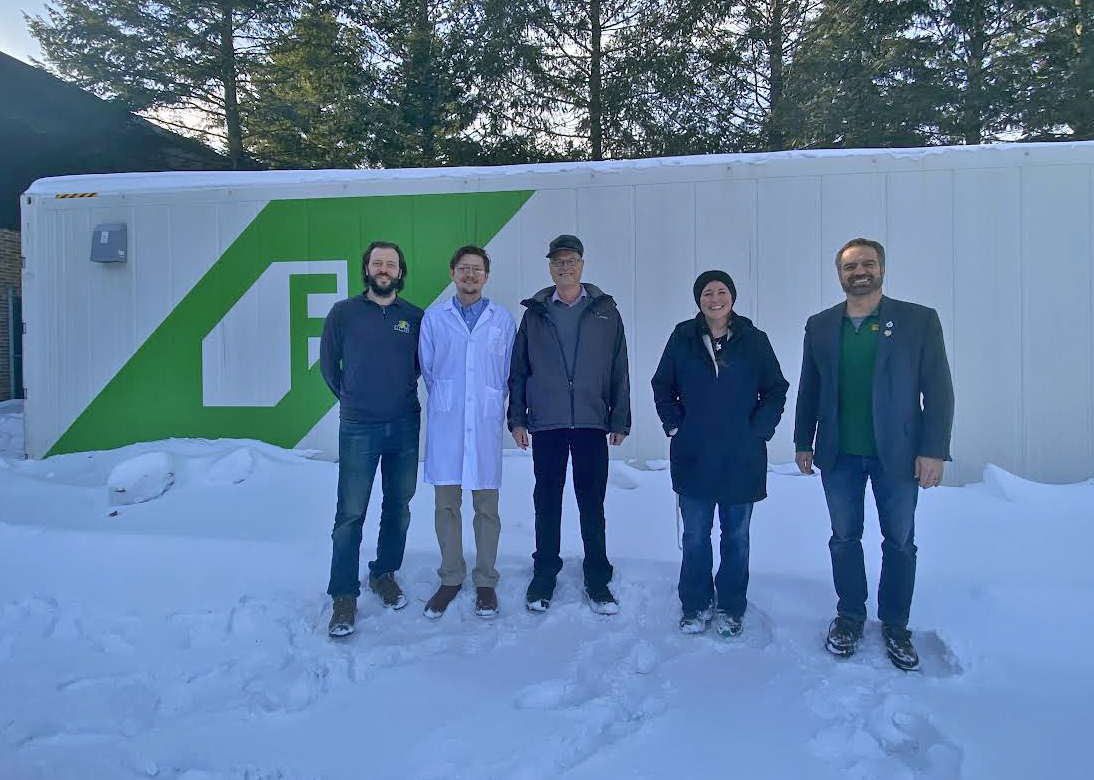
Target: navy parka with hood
x=723, y=416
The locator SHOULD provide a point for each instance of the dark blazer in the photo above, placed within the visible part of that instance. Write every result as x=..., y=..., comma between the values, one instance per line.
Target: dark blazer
x=724, y=418
x=543, y=396
x=912, y=394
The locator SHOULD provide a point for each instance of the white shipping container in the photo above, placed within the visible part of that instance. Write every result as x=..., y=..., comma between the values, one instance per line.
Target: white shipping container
x=209, y=326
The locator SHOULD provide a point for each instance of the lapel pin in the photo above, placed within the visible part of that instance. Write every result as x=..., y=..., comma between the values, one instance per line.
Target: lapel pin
x=888, y=332
x=889, y=324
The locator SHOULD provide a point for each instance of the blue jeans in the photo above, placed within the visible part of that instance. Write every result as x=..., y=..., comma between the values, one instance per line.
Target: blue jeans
x=361, y=446
x=696, y=586
x=896, y=496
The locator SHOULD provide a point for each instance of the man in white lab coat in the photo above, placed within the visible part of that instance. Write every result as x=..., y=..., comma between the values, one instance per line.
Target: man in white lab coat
x=464, y=347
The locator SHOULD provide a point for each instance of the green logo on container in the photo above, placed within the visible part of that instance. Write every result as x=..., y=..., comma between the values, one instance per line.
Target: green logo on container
x=197, y=374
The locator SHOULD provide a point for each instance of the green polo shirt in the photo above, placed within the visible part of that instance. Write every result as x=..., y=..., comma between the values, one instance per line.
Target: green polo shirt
x=858, y=353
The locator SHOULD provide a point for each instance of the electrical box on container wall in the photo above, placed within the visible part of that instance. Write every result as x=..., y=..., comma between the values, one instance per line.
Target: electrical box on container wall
x=109, y=243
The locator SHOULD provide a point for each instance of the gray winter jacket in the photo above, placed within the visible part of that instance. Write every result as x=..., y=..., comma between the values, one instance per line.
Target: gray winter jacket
x=543, y=396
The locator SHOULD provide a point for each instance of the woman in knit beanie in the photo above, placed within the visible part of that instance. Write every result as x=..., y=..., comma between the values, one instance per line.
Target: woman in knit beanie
x=720, y=393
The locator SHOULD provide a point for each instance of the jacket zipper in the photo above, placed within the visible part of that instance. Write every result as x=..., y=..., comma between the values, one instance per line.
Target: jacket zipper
x=562, y=355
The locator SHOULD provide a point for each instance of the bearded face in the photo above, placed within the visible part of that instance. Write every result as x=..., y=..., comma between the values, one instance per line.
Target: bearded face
x=860, y=271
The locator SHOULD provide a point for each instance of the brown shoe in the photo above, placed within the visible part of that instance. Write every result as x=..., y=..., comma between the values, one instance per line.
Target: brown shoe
x=385, y=586
x=345, y=612
x=436, y=606
x=486, y=602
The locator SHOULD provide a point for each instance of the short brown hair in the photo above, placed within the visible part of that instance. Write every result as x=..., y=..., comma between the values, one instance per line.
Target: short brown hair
x=469, y=250
x=875, y=245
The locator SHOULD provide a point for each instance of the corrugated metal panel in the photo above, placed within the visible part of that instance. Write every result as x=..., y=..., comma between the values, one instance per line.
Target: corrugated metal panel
x=998, y=240
x=919, y=250
x=790, y=277
x=1056, y=322
x=664, y=255
x=987, y=338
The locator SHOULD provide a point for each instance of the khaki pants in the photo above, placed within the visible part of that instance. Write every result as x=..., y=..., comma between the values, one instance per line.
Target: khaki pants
x=449, y=526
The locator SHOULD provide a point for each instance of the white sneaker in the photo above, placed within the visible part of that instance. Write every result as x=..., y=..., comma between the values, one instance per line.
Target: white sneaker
x=696, y=622
x=727, y=625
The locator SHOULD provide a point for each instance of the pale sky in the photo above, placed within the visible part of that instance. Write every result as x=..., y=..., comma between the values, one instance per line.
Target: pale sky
x=14, y=38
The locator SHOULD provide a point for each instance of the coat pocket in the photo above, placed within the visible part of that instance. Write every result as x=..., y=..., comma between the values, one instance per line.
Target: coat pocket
x=496, y=343
x=491, y=405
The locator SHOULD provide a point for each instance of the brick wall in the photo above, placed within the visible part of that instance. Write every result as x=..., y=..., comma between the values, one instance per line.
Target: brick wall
x=11, y=274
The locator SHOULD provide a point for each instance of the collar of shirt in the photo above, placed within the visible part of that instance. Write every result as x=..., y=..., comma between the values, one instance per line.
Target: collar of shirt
x=478, y=307
x=397, y=301
x=556, y=299
x=847, y=315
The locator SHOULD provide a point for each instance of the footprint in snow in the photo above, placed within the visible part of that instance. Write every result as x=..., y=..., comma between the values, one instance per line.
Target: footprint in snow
x=30, y=616
x=890, y=738
x=547, y=695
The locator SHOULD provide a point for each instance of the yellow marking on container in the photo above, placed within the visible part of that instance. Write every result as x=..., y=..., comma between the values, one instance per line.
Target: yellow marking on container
x=76, y=195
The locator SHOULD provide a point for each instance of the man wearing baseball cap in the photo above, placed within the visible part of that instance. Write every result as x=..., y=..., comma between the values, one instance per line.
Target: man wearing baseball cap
x=569, y=397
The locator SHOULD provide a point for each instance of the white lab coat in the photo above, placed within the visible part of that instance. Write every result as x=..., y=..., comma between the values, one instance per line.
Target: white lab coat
x=467, y=376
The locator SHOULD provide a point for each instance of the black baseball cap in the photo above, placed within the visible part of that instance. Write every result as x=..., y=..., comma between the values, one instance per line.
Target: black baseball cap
x=566, y=241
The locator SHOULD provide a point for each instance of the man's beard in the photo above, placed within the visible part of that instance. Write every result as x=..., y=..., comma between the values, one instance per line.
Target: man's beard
x=866, y=289
x=384, y=289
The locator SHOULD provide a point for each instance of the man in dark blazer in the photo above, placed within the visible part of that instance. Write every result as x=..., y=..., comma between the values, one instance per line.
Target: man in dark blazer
x=876, y=395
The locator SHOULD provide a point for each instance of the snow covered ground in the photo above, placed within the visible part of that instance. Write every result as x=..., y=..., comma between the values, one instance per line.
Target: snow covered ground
x=184, y=637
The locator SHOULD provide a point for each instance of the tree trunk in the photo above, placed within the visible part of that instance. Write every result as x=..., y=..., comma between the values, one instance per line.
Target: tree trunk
x=972, y=113
x=776, y=137
x=229, y=76
x=596, y=120
x=427, y=97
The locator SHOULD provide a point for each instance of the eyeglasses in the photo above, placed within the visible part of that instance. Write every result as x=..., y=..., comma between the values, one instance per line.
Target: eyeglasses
x=569, y=262
x=470, y=269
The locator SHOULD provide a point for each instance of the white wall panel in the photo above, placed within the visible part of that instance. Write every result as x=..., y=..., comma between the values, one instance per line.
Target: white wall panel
x=919, y=249
x=1056, y=321
x=111, y=293
x=195, y=245
x=987, y=356
x=503, y=286
x=725, y=224
x=665, y=228
x=150, y=249
x=606, y=227
x=852, y=205
x=789, y=279
x=547, y=214
x=72, y=315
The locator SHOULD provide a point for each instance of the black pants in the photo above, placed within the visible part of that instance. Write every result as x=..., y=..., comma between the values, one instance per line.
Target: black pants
x=589, y=449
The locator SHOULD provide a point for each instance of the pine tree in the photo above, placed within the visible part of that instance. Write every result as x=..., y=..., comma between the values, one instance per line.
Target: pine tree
x=750, y=50
x=156, y=55
x=314, y=93
x=980, y=66
x=1060, y=102
x=601, y=78
x=436, y=61
x=863, y=81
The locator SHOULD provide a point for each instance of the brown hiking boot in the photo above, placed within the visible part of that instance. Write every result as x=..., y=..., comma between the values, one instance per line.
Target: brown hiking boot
x=345, y=612
x=486, y=602
x=385, y=586
x=436, y=606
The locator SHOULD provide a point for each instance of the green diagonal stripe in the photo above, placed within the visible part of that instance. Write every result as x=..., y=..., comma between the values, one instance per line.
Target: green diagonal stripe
x=158, y=393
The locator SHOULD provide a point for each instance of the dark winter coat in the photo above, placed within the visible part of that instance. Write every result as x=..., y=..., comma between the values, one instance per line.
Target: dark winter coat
x=723, y=417
x=544, y=395
x=912, y=391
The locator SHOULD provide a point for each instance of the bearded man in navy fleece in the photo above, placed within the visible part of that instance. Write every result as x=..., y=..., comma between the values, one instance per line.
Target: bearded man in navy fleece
x=369, y=359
